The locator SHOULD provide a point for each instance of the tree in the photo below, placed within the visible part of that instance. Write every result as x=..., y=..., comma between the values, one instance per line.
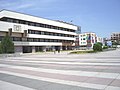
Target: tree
x=0, y=49
x=100, y=43
x=97, y=47
x=7, y=46
x=114, y=44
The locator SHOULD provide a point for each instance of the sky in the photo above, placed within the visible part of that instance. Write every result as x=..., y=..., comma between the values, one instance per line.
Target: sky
x=99, y=16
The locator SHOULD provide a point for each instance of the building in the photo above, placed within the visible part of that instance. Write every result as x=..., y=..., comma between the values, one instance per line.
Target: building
x=115, y=37
x=99, y=39
x=32, y=34
x=87, y=40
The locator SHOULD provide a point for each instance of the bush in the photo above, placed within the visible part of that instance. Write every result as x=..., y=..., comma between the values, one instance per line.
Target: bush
x=97, y=47
x=100, y=43
x=0, y=49
x=82, y=52
x=7, y=46
x=105, y=47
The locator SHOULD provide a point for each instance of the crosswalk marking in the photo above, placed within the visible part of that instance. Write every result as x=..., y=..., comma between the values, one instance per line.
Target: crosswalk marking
x=81, y=84
x=68, y=72
x=69, y=63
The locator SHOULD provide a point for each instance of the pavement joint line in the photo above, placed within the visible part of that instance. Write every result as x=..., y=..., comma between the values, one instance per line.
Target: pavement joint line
x=73, y=83
x=112, y=81
x=68, y=72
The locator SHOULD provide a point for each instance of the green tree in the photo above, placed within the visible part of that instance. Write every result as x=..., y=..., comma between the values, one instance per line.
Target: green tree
x=7, y=46
x=97, y=47
x=0, y=49
x=114, y=44
x=100, y=43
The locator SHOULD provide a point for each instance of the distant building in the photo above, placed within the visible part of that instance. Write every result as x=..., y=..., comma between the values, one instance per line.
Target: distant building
x=99, y=39
x=33, y=34
x=87, y=40
x=115, y=37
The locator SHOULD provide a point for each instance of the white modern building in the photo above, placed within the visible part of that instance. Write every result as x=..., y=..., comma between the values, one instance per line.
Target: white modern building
x=32, y=34
x=87, y=40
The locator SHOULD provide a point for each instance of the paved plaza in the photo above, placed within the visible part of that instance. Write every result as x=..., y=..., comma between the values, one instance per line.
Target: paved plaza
x=61, y=71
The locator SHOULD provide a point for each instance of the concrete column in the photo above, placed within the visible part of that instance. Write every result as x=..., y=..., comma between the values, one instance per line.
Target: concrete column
x=66, y=48
x=33, y=49
x=60, y=47
x=44, y=48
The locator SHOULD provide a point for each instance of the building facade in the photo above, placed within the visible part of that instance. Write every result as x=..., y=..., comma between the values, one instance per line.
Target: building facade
x=87, y=40
x=32, y=34
x=115, y=37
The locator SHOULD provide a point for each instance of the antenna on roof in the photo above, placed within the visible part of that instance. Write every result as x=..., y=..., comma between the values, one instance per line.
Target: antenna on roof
x=71, y=21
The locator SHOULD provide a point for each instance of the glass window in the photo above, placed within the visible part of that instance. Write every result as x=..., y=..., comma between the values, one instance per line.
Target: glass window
x=83, y=38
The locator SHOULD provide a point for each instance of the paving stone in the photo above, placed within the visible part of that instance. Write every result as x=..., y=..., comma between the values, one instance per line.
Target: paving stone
x=32, y=83
x=63, y=87
x=101, y=81
x=116, y=83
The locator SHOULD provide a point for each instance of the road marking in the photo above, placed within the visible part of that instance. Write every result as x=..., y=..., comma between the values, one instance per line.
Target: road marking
x=73, y=83
x=69, y=63
x=66, y=72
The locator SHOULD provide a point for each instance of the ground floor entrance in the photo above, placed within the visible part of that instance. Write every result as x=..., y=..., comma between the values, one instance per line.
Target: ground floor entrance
x=31, y=49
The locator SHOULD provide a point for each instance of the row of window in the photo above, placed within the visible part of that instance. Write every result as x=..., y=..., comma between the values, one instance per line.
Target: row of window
x=35, y=24
x=38, y=40
x=83, y=42
x=48, y=40
x=49, y=33
x=83, y=38
x=13, y=38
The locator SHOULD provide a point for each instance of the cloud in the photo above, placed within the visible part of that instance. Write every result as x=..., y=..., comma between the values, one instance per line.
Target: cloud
x=15, y=5
x=25, y=4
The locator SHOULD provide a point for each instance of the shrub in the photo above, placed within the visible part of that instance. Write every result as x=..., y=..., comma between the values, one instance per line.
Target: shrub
x=105, y=47
x=97, y=47
x=7, y=46
x=82, y=52
x=100, y=43
x=0, y=49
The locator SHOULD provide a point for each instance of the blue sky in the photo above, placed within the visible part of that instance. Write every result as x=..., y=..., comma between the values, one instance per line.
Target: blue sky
x=99, y=16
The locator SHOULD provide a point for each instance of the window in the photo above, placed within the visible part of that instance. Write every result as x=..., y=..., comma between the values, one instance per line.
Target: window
x=9, y=20
x=21, y=22
x=1, y=37
x=30, y=39
x=83, y=38
x=42, y=33
x=32, y=32
x=41, y=40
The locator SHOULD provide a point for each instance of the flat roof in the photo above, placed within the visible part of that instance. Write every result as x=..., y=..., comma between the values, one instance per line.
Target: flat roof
x=39, y=17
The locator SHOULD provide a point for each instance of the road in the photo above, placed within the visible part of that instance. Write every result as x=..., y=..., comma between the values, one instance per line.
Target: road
x=61, y=71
